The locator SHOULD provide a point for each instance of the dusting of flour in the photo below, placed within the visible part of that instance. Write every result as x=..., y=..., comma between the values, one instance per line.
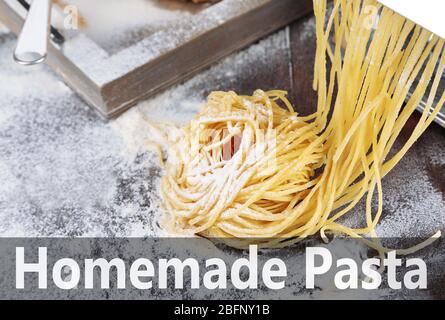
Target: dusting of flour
x=66, y=172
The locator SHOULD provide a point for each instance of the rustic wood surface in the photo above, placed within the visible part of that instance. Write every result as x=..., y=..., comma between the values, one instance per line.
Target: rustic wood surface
x=66, y=172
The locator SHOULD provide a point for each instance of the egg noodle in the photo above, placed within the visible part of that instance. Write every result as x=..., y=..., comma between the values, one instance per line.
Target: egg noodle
x=249, y=169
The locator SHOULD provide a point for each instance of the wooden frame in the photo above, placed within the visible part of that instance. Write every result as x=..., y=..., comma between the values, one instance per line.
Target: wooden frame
x=111, y=87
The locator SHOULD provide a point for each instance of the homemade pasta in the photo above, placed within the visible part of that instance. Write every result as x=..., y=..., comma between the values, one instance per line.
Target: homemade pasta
x=250, y=169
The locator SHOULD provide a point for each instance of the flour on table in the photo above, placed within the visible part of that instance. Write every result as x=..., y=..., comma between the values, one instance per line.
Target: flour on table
x=67, y=172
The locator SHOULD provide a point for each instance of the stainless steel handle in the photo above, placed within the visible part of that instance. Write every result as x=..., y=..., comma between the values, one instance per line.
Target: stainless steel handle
x=33, y=40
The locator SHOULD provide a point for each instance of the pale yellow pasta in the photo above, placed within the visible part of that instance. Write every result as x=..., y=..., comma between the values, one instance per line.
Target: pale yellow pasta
x=250, y=169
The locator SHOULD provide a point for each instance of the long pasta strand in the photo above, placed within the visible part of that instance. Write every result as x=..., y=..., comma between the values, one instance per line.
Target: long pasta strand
x=250, y=169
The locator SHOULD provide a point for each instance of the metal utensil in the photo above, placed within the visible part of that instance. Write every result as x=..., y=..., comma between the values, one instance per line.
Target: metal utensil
x=429, y=15
x=426, y=13
x=32, y=43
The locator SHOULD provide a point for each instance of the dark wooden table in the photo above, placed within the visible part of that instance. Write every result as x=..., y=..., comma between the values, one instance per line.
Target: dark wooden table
x=67, y=172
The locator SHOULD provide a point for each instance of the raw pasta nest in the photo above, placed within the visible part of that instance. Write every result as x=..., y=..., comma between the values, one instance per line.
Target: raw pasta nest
x=250, y=171
x=243, y=161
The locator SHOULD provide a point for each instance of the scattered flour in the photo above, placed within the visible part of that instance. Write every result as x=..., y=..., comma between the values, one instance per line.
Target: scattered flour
x=59, y=161
x=107, y=23
x=66, y=172
x=151, y=43
x=62, y=168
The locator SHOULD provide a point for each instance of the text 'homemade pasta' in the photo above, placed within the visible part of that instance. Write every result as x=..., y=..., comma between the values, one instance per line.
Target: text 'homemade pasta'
x=216, y=274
